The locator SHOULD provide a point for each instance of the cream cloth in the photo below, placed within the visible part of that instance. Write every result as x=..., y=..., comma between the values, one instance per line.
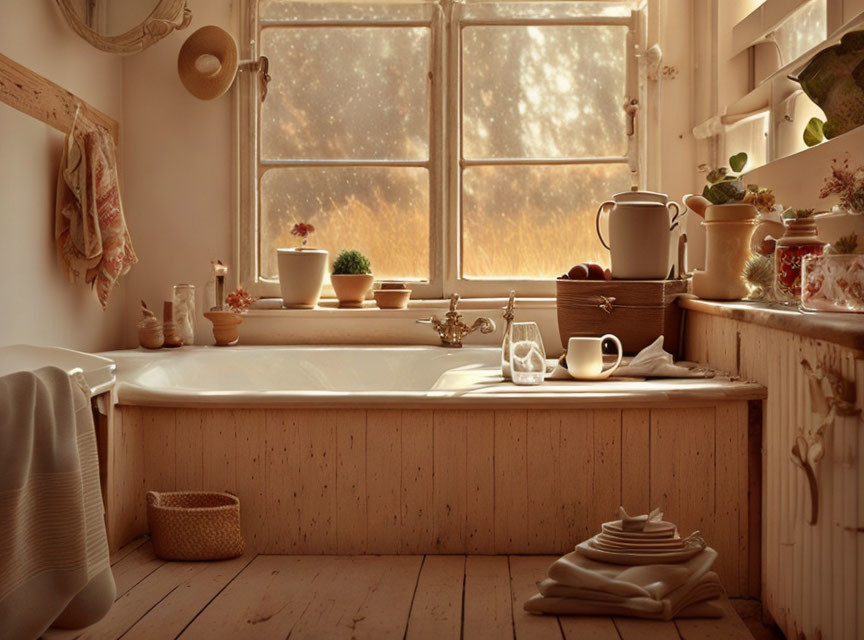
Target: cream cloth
x=53, y=545
x=686, y=601
x=90, y=231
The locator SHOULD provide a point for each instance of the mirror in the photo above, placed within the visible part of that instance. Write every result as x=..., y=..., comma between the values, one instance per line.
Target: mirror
x=125, y=26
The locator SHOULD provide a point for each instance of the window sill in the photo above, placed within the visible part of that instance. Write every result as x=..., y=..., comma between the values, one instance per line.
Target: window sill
x=268, y=323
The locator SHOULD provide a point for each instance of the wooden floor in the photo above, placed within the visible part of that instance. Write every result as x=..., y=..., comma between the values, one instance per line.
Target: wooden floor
x=375, y=597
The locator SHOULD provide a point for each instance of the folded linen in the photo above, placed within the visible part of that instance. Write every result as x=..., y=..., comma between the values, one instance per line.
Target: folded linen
x=560, y=599
x=651, y=581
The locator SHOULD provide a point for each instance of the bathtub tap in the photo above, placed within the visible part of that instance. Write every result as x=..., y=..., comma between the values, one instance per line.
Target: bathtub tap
x=452, y=330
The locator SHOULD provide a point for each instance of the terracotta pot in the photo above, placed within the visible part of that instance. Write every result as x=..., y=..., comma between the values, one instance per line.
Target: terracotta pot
x=301, y=276
x=225, y=326
x=392, y=298
x=727, y=239
x=351, y=289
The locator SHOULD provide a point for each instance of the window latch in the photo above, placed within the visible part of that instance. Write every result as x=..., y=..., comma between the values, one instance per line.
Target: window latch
x=631, y=106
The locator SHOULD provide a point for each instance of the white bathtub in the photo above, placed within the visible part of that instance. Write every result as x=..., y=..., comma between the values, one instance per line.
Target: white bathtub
x=275, y=376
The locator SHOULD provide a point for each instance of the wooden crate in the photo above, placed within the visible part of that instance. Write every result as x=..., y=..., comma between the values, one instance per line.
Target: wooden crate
x=637, y=311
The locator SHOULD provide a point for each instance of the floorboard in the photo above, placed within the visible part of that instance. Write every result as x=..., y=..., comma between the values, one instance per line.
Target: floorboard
x=358, y=598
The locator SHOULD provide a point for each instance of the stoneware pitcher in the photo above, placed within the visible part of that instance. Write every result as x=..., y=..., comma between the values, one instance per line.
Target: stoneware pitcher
x=640, y=232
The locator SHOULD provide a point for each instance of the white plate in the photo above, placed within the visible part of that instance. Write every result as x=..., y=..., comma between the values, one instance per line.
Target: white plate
x=638, y=558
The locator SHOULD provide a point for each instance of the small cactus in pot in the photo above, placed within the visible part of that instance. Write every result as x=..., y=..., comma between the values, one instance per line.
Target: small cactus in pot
x=351, y=278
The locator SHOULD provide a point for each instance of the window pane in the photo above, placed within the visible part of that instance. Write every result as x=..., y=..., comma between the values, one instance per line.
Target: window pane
x=527, y=10
x=751, y=137
x=382, y=211
x=803, y=30
x=322, y=10
x=534, y=222
x=544, y=92
x=346, y=93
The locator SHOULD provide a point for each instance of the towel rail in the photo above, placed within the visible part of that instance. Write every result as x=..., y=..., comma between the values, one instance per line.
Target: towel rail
x=38, y=97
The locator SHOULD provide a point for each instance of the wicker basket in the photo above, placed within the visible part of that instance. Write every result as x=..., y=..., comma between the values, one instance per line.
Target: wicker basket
x=194, y=525
x=637, y=311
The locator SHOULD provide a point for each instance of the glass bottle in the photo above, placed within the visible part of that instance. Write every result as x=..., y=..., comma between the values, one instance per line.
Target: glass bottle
x=184, y=312
x=799, y=240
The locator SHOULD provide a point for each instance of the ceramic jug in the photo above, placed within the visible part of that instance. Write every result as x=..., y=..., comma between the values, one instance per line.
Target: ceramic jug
x=728, y=228
x=639, y=234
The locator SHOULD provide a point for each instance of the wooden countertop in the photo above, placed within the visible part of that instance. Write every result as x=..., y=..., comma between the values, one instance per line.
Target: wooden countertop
x=845, y=329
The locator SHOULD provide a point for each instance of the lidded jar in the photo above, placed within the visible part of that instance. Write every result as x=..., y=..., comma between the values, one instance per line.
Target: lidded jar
x=799, y=240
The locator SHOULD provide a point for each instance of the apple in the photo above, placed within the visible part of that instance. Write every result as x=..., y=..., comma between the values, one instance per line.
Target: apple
x=607, y=274
x=578, y=272
x=595, y=271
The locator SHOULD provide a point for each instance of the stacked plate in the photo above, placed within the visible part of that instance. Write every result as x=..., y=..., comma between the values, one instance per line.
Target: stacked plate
x=646, y=542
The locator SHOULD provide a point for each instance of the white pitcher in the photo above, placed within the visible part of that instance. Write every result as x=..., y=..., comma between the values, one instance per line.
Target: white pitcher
x=639, y=234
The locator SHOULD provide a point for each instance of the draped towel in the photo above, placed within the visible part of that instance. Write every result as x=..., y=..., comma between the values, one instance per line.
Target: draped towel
x=90, y=231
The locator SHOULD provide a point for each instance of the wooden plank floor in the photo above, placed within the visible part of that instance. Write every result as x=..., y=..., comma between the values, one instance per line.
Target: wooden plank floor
x=375, y=597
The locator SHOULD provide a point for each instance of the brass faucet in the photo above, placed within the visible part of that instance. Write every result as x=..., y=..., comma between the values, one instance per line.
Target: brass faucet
x=452, y=330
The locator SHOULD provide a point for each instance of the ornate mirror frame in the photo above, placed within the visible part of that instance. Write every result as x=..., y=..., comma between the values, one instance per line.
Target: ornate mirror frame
x=168, y=16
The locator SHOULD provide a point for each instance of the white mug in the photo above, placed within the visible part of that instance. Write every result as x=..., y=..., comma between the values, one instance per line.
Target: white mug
x=585, y=357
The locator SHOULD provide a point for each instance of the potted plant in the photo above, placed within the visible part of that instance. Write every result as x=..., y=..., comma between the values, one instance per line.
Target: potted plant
x=226, y=322
x=729, y=222
x=351, y=278
x=847, y=216
x=301, y=270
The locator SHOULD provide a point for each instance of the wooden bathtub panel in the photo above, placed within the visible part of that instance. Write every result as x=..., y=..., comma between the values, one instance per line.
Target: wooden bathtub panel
x=351, y=487
x=451, y=481
x=511, y=481
x=417, y=481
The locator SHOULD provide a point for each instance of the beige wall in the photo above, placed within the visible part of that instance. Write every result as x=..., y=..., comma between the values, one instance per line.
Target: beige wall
x=39, y=306
x=179, y=149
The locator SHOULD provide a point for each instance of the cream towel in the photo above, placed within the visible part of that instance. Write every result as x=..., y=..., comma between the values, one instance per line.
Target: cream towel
x=558, y=599
x=93, y=242
x=649, y=581
x=52, y=533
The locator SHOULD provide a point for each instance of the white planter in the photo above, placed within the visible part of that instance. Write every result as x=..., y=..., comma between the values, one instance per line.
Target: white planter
x=301, y=276
x=838, y=224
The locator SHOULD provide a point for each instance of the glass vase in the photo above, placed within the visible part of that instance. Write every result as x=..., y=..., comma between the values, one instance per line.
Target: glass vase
x=184, y=312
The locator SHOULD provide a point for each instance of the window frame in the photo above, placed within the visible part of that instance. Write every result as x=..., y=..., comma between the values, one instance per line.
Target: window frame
x=445, y=161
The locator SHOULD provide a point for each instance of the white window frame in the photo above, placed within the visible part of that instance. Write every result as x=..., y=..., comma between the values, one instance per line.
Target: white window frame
x=446, y=25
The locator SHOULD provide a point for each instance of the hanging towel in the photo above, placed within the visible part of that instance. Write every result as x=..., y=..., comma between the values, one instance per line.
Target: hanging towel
x=90, y=231
x=54, y=563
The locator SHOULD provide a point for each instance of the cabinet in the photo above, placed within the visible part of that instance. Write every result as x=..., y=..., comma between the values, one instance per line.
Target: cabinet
x=812, y=574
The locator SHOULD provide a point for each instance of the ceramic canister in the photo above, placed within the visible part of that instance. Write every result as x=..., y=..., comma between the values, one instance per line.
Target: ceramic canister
x=639, y=234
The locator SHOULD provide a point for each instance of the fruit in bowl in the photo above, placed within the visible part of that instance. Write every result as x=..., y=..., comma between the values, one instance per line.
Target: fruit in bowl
x=587, y=271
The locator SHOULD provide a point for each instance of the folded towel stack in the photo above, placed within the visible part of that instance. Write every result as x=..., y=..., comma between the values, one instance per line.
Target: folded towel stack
x=636, y=566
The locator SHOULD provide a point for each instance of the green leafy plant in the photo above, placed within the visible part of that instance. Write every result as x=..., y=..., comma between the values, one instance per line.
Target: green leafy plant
x=351, y=263
x=725, y=187
x=834, y=81
x=798, y=214
x=845, y=245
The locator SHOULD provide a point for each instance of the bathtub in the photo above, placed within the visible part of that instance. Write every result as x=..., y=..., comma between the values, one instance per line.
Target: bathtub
x=276, y=376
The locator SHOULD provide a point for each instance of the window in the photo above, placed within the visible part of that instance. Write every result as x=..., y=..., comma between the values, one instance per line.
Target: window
x=460, y=145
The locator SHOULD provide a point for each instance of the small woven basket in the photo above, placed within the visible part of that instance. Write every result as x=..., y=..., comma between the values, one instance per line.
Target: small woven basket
x=194, y=525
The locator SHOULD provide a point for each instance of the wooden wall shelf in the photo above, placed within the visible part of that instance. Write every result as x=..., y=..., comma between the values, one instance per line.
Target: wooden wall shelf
x=30, y=93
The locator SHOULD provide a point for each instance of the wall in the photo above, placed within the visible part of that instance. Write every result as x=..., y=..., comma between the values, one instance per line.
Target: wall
x=180, y=151
x=40, y=307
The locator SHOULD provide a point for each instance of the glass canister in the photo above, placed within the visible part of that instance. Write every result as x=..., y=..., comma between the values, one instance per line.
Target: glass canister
x=800, y=240
x=833, y=283
x=184, y=312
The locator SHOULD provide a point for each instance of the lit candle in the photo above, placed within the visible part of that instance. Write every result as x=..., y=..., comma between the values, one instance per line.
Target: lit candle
x=220, y=270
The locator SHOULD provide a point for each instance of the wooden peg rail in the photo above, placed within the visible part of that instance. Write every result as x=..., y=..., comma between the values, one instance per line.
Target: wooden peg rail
x=30, y=93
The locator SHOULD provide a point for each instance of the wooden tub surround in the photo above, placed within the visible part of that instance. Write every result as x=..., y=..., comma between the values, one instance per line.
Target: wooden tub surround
x=456, y=480
x=813, y=367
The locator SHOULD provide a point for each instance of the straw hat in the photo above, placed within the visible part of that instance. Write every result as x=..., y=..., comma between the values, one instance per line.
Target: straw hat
x=207, y=62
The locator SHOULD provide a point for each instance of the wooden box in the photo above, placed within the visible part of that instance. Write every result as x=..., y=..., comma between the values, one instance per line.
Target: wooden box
x=637, y=311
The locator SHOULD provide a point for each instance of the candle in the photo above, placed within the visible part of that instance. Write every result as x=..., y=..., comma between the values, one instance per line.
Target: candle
x=220, y=270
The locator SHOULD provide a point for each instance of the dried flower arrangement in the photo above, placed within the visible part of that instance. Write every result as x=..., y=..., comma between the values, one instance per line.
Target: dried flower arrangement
x=846, y=183
x=302, y=230
x=239, y=300
x=798, y=214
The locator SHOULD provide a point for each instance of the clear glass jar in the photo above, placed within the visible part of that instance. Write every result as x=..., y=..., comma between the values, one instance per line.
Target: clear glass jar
x=184, y=312
x=833, y=283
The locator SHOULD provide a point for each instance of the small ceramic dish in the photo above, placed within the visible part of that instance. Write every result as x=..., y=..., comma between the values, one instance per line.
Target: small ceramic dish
x=392, y=298
x=638, y=558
